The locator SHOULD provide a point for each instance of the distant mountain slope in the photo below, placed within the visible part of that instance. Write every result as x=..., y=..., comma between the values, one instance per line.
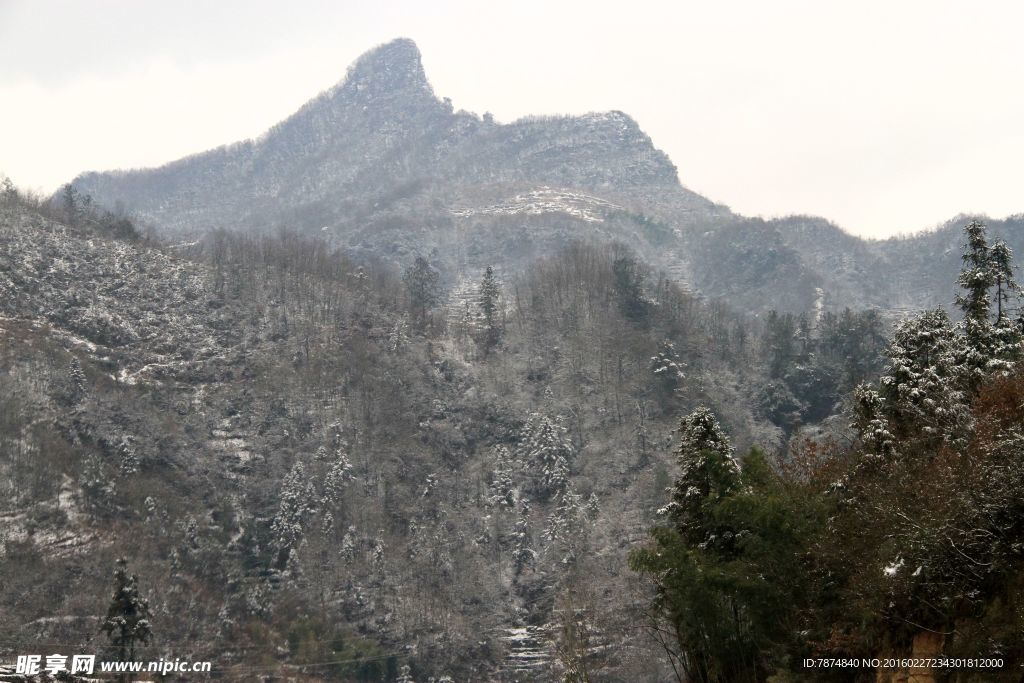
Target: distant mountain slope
x=801, y=263
x=380, y=164
x=379, y=136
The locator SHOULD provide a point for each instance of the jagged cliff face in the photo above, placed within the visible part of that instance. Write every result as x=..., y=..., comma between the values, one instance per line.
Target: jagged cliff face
x=379, y=164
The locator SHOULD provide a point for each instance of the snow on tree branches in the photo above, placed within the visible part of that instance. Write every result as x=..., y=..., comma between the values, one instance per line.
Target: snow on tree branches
x=935, y=368
x=708, y=470
x=128, y=620
x=297, y=504
x=547, y=448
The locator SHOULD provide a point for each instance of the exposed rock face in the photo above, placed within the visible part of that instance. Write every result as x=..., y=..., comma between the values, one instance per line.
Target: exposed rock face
x=394, y=69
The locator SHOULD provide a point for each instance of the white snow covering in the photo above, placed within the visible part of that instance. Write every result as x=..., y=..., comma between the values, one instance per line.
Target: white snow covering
x=545, y=200
x=891, y=570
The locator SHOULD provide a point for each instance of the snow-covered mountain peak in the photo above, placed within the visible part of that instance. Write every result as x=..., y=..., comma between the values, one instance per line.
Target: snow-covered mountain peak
x=392, y=67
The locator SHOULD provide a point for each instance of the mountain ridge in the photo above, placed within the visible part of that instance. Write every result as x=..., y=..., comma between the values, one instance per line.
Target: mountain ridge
x=379, y=164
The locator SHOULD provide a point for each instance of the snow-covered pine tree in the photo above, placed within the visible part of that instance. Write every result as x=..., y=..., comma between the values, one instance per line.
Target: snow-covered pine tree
x=378, y=560
x=127, y=623
x=628, y=280
x=293, y=566
x=129, y=458
x=804, y=336
x=547, y=449
x=1007, y=345
x=569, y=524
x=151, y=508
x=97, y=486
x=564, y=522
x=422, y=283
x=399, y=335
x=1007, y=339
x=192, y=533
x=976, y=278
x=348, y=545
x=708, y=471
x=871, y=422
x=296, y=505
x=1001, y=258
x=921, y=392
x=405, y=675
x=79, y=384
x=490, y=295
x=523, y=555
x=934, y=368
x=667, y=369
x=8, y=192
x=258, y=600
x=502, y=487
x=339, y=476
x=780, y=342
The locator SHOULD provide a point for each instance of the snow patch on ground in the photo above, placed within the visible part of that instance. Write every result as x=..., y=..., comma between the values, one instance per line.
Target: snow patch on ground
x=893, y=569
x=545, y=200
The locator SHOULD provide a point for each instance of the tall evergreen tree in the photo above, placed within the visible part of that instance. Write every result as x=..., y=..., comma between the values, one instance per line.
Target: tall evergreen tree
x=296, y=505
x=922, y=385
x=7, y=189
x=69, y=203
x=422, y=284
x=549, y=450
x=804, y=336
x=405, y=675
x=668, y=370
x=338, y=477
x=976, y=278
x=977, y=275
x=490, y=297
x=523, y=555
x=79, y=384
x=708, y=471
x=569, y=525
x=780, y=342
x=628, y=287
x=502, y=486
x=1002, y=271
x=128, y=618
x=1007, y=344
x=97, y=485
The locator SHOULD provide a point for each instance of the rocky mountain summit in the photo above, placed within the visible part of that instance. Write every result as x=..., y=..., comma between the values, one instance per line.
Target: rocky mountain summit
x=379, y=164
x=380, y=138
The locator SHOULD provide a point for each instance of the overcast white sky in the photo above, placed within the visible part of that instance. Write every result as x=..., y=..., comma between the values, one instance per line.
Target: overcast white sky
x=882, y=116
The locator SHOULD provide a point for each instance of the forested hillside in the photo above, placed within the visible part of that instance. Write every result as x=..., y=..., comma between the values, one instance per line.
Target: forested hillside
x=906, y=543
x=336, y=467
